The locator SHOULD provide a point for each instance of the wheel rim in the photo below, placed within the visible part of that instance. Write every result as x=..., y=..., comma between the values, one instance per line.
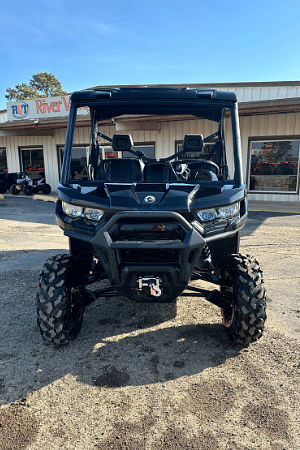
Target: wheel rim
x=76, y=311
x=228, y=310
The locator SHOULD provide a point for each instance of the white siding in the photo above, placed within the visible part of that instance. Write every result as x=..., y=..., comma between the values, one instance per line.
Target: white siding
x=168, y=133
x=265, y=92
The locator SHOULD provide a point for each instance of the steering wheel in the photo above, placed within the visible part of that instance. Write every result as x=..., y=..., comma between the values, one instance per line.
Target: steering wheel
x=208, y=165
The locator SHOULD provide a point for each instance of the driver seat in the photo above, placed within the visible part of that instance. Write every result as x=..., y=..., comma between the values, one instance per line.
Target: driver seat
x=118, y=170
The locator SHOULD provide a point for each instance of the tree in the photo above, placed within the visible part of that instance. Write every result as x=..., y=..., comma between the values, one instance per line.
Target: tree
x=42, y=84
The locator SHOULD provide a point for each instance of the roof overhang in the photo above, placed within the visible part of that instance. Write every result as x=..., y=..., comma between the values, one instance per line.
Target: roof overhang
x=277, y=106
x=251, y=108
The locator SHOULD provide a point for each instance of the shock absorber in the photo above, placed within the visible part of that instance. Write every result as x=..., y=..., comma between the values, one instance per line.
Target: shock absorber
x=206, y=256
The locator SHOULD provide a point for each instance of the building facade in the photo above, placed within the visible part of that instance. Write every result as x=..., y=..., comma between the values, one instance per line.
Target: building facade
x=32, y=135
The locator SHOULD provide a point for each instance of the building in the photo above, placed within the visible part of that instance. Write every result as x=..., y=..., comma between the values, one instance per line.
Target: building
x=32, y=135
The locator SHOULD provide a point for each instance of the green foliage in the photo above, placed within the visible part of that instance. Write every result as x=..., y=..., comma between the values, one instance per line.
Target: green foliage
x=21, y=92
x=42, y=84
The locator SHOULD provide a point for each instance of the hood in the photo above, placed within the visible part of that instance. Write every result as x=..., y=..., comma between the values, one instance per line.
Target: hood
x=150, y=197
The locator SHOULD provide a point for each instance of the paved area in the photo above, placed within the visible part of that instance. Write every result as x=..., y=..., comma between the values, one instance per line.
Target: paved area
x=147, y=377
x=288, y=207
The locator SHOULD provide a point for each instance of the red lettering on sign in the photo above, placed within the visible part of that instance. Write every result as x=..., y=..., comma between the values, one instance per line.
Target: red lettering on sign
x=40, y=107
x=20, y=112
x=48, y=107
x=67, y=105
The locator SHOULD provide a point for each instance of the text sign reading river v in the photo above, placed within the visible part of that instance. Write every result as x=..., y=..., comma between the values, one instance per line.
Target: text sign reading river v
x=41, y=108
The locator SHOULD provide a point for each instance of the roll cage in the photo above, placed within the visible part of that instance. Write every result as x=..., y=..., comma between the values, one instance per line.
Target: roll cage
x=107, y=104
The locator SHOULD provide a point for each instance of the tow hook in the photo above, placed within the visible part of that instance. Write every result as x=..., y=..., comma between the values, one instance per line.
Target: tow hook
x=152, y=283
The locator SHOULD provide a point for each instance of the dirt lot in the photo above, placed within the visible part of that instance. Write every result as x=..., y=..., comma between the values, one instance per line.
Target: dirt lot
x=141, y=377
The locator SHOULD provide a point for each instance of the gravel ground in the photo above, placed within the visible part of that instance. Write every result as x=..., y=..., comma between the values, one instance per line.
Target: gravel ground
x=140, y=377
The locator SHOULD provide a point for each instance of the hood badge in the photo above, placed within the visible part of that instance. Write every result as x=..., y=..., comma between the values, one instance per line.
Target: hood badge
x=149, y=199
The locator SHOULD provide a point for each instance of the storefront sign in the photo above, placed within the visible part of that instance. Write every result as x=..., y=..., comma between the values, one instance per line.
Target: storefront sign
x=41, y=108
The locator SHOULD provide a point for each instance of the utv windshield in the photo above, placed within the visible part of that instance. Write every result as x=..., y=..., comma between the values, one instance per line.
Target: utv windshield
x=154, y=136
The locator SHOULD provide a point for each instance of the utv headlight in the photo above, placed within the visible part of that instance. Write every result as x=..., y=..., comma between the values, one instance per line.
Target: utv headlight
x=92, y=214
x=229, y=211
x=72, y=210
x=206, y=215
x=224, y=212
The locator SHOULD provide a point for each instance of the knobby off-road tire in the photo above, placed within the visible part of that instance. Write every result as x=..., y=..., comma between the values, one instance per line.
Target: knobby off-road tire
x=14, y=190
x=27, y=189
x=245, y=315
x=58, y=317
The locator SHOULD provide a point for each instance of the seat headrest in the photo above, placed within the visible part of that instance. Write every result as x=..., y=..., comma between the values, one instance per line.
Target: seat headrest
x=193, y=143
x=122, y=142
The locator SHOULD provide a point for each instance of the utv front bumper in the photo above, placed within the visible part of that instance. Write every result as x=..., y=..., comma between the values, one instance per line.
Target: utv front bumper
x=148, y=256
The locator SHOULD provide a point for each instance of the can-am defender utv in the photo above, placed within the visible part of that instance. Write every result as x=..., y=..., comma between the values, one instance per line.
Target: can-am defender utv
x=153, y=226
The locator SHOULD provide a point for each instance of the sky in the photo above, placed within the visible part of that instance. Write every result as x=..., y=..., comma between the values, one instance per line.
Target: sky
x=91, y=43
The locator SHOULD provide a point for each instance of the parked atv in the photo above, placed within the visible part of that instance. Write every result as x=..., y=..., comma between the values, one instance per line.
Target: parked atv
x=152, y=227
x=25, y=184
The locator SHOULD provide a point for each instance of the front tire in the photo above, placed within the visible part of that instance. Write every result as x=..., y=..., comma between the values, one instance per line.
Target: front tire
x=244, y=315
x=15, y=189
x=59, y=315
x=27, y=189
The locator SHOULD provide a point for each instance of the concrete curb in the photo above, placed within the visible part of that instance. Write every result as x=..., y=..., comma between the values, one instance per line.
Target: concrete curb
x=45, y=198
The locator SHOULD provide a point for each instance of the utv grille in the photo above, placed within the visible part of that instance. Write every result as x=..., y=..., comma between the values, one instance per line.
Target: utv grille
x=149, y=256
x=147, y=235
x=154, y=231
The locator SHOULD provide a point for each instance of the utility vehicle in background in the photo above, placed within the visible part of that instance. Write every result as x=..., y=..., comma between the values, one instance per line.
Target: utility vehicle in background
x=153, y=228
x=29, y=186
x=6, y=180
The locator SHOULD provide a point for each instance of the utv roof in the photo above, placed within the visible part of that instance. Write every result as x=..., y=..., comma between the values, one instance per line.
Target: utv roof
x=114, y=102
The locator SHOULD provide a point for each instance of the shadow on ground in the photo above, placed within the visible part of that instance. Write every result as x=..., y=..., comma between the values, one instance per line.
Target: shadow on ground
x=120, y=343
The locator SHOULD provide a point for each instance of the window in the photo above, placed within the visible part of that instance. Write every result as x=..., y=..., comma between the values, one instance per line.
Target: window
x=194, y=155
x=78, y=162
x=148, y=149
x=32, y=161
x=79, y=158
x=274, y=165
x=3, y=161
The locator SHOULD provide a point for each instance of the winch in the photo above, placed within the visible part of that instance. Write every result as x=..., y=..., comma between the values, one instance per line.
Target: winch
x=153, y=283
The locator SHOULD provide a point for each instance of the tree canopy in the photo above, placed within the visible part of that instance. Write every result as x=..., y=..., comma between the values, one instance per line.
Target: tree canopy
x=42, y=84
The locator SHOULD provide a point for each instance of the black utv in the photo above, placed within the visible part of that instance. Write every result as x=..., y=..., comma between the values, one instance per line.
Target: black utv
x=153, y=227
